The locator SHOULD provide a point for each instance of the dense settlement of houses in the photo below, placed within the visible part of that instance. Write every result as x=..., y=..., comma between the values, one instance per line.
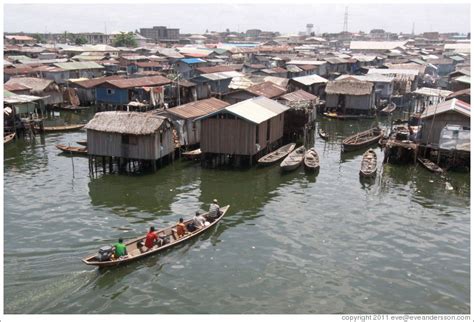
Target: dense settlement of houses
x=238, y=96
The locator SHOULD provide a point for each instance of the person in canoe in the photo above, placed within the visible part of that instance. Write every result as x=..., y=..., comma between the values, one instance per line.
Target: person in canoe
x=214, y=211
x=198, y=222
x=152, y=239
x=180, y=228
x=120, y=250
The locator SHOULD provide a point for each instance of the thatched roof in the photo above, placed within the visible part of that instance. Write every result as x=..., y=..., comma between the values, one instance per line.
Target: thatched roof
x=133, y=123
x=349, y=87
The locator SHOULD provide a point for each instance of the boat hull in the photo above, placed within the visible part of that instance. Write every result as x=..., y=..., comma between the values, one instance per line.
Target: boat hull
x=110, y=263
x=72, y=149
x=368, y=167
x=9, y=138
x=277, y=155
x=294, y=160
x=311, y=160
x=374, y=137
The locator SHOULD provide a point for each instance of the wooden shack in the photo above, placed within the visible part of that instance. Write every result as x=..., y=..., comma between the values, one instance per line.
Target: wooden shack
x=436, y=117
x=183, y=117
x=238, y=134
x=45, y=88
x=350, y=96
x=124, y=137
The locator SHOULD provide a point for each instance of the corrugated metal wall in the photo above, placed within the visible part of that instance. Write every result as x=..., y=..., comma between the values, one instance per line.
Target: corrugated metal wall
x=146, y=147
x=440, y=122
x=236, y=136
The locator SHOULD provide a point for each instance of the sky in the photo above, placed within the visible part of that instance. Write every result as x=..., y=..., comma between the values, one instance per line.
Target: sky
x=197, y=18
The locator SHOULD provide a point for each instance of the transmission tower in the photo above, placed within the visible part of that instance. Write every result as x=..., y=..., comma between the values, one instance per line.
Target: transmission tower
x=413, y=29
x=346, y=17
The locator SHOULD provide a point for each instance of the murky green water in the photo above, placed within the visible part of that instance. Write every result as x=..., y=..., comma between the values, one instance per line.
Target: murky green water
x=292, y=243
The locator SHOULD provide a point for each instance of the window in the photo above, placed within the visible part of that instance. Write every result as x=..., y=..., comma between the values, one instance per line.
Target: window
x=256, y=133
x=110, y=91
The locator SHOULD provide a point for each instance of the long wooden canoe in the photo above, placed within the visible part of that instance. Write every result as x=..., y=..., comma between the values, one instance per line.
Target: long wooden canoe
x=389, y=108
x=293, y=160
x=311, y=160
x=192, y=155
x=362, y=139
x=63, y=128
x=276, y=155
x=8, y=138
x=134, y=253
x=323, y=134
x=368, y=166
x=431, y=166
x=72, y=149
x=337, y=116
x=83, y=143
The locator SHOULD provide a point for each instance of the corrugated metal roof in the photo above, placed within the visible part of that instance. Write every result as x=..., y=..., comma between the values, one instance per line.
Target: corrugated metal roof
x=198, y=108
x=89, y=83
x=139, y=82
x=16, y=87
x=219, y=68
x=280, y=81
x=36, y=84
x=267, y=89
x=432, y=92
x=79, y=65
x=18, y=99
x=390, y=71
x=306, y=62
x=451, y=105
x=310, y=80
x=255, y=110
x=222, y=75
x=192, y=60
x=298, y=96
x=293, y=69
x=376, y=45
x=464, y=79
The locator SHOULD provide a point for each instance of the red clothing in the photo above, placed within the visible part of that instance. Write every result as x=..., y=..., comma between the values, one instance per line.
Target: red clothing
x=151, y=237
x=180, y=229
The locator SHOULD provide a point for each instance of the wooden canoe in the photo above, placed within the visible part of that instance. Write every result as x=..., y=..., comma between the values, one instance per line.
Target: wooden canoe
x=83, y=143
x=276, y=155
x=323, y=134
x=134, y=253
x=63, y=128
x=362, y=139
x=368, y=166
x=311, y=160
x=8, y=138
x=192, y=155
x=293, y=160
x=431, y=166
x=72, y=149
x=346, y=116
x=390, y=108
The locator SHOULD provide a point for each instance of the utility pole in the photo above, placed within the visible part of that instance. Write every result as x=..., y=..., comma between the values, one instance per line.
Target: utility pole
x=413, y=29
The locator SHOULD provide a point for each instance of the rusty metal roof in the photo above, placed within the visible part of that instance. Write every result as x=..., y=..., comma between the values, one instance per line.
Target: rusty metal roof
x=96, y=81
x=198, y=108
x=267, y=89
x=219, y=68
x=299, y=96
x=139, y=82
x=16, y=87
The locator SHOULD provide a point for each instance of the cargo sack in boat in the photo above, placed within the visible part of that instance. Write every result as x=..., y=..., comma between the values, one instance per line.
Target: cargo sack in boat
x=104, y=253
x=190, y=227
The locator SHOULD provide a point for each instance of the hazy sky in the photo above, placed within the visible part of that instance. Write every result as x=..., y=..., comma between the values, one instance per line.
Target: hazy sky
x=196, y=18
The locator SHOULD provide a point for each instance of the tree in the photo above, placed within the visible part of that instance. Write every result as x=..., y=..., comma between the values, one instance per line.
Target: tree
x=39, y=38
x=80, y=40
x=125, y=40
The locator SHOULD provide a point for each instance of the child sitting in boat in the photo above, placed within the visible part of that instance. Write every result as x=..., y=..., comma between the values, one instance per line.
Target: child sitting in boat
x=120, y=249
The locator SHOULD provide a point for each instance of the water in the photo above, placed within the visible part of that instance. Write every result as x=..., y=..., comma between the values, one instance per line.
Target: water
x=291, y=243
